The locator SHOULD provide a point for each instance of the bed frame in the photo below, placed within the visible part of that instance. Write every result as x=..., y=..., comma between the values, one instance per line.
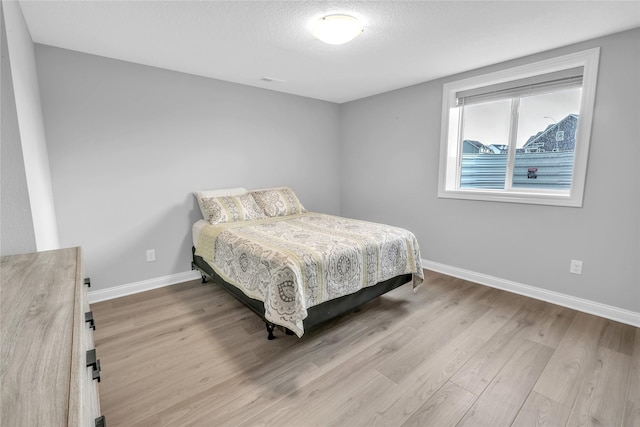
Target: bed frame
x=316, y=314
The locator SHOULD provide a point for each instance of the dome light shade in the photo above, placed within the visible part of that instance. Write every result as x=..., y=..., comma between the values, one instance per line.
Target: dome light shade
x=337, y=29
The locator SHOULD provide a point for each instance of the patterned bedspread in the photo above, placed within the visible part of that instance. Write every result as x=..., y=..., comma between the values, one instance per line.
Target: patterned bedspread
x=294, y=262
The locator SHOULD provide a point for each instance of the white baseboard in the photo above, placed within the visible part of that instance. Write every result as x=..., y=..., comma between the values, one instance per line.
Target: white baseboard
x=144, y=285
x=608, y=312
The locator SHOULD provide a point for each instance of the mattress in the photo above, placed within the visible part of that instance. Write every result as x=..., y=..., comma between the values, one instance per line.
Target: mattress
x=196, y=229
x=295, y=262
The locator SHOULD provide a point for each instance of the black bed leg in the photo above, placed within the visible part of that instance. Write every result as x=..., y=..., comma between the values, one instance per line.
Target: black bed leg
x=204, y=279
x=270, y=327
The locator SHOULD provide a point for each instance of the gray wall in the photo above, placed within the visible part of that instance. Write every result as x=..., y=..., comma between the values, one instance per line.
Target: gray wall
x=16, y=225
x=128, y=144
x=390, y=148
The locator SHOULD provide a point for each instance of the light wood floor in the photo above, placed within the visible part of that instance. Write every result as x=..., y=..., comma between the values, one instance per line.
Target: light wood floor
x=453, y=354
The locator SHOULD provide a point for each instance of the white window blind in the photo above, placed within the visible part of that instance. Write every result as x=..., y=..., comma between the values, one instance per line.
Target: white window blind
x=522, y=87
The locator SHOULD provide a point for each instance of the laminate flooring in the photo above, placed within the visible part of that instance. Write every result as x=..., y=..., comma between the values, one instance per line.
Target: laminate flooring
x=454, y=353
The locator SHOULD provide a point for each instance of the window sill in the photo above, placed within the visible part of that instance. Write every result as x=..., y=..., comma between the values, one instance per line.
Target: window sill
x=549, y=199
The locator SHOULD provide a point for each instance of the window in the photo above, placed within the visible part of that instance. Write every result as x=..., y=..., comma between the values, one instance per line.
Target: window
x=520, y=135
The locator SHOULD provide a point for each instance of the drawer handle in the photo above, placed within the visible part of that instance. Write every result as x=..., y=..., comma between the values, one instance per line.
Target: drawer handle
x=87, y=281
x=96, y=371
x=101, y=421
x=94, y=362
x=92, y=359
x=88, y=318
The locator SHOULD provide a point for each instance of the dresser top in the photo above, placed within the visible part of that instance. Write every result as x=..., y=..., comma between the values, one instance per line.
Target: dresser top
x=37, y=297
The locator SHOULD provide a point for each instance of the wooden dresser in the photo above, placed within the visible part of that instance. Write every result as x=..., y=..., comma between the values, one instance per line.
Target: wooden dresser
x=48, y=371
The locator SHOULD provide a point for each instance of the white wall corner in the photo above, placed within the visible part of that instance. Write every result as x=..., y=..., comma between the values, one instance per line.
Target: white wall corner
x=608, y=312
x=31, y=125
x=144, y=285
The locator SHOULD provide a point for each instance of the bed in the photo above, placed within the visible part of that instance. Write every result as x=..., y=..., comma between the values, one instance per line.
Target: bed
x=297, y=269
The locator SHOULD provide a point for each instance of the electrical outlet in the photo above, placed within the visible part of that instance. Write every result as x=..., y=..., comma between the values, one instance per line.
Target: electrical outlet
x=576, y=267
x=151, y=255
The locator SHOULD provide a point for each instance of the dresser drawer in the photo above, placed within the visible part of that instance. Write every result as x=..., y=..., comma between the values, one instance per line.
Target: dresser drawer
x=91, y=399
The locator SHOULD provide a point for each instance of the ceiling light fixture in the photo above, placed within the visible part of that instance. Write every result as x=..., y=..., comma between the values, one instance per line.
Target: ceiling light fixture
x=337, y=29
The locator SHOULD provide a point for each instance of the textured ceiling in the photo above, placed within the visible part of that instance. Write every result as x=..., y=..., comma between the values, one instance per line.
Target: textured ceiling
x=404, y=42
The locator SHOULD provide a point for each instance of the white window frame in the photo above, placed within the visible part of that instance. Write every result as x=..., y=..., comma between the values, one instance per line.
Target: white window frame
x=450, y=150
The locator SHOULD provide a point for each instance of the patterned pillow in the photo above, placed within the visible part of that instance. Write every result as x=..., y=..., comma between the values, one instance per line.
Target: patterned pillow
x=218, y=210
x=279, y=201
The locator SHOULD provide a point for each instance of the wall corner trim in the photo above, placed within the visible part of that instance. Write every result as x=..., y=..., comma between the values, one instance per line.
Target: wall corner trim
x=608, y=312
x=144, y=285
